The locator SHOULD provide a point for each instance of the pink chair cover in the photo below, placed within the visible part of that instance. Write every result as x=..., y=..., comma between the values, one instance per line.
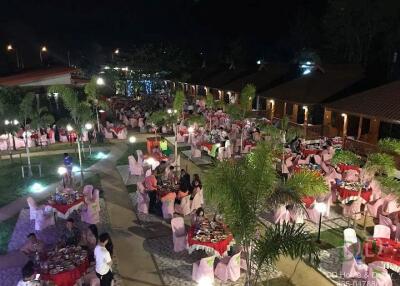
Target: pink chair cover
x=351, y=176
x=350, y=268
x=228, y=268
x=184, y=207
x=281, y=215
x=381, y=231
x=313, y=214
x=32, y=207
x=168, y=208
x=197, y=202
x=178, y=234
x=142, y=199
x=375, y=208
x=378, y=275
x=88, y=192
x=350, y=237
x=91, y=214
x=383, y=220
x=203, y=270
x=134, y=167
x=353, y=210
x=43, y=219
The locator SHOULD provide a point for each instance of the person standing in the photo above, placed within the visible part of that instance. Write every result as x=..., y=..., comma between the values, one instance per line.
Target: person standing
x=103, y=261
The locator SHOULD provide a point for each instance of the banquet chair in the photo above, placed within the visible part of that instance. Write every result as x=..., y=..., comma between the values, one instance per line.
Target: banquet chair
x=304, y=161
x=43, y=140
x=350, y=268
x=246, y=149
x=139, y=154
x=133, y=122
x=197, y=201
x=125, y=120
x=383, y=220
x=391, y=205
x=168, y=207
x=142, y=199
x=317, y=159
x=378, y=275
x=122, y=134
x=184, y=207
x=350, y=237
x=203, y=271
x=91, y=214
x=44, y=218
x=107, y=134
x=141, y=124
x=63, y=138
x=281, y=215
x=351, y=176
x=313, y=214
x=297, y=214
x=375, y=208
x=221, y=151
x=195, y=152
x=33, y=207
x=381, y=231
x=178, y=234
x=353, y=210
x=180, y=138
x=228, y=268
x=135, y=168
x=88, y=192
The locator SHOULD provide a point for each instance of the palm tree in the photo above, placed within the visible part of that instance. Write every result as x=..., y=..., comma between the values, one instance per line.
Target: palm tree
x=93, y=92
x=242, y=190
x=158, y=118
x=26, y=111
x=80, y=113
x=178, y=103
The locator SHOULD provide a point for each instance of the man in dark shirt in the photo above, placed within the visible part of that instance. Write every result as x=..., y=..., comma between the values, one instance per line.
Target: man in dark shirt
x=71, y=234
x=184, y=181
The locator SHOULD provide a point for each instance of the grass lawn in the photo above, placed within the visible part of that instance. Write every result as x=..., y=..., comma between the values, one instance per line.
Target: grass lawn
x=6, y=230
x=332, y=238
x=131, y=188
x=123, y=160
x=13, y=186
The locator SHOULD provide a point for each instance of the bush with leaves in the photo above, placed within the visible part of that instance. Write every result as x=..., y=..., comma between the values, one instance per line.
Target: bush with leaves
x=242, y=189
x=389, y=145
x=346, y=157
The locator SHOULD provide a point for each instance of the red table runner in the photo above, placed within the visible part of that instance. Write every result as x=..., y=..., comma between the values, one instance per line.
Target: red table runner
x=307, y=152
x=68, y=277
x=344, y=167
x=308, y=201
x=64, y=208
x=346, y=195
x=387, y=251
x=207, y=145
x=221, y=247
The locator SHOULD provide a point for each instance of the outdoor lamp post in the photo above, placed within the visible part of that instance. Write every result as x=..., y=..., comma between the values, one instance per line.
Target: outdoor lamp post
x=272, y=102
x=321, y=208
x=43, y=49
x=132, y=140
x=62, y=171
x=9, y=49
x=344, y=115
x=88, y=127
x=305, y=119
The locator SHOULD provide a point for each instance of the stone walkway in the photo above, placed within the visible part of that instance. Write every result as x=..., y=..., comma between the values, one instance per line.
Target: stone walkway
x=136, y=266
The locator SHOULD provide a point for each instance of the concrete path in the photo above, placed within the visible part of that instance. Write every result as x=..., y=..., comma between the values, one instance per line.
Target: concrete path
x=136, y=266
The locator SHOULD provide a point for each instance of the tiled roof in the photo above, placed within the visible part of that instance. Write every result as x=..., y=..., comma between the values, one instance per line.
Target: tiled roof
x=30, y=76
x=262, y=79
x=318, y=86
x=382, y=102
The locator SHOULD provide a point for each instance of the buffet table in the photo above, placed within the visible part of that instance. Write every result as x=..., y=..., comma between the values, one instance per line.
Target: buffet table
x=385, y=250
x=346, y=195
x=212, y=242
x=65, y=266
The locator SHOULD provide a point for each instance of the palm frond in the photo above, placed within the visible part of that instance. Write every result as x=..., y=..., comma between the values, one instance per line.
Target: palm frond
x=381, y=163
x=247, y=96
x=210, y=102
x=196, y=119
x=307, y=183
x=158, y=117
x=179, y=100
x=389, y=184
x=346, y=157
x=284, y=240
x=234, y=111
x=389, y=145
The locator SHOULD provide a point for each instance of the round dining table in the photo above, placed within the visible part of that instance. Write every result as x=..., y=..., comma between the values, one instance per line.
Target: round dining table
x=384, y=250
x=218, y=248
x=65, y=210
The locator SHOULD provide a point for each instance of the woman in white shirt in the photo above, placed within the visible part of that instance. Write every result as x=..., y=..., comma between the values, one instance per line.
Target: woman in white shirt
x=103, y=261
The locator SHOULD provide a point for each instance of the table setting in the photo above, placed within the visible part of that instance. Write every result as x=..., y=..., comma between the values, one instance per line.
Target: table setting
x=64, y=266
x=350, y=191
x=65, y=202
x=210, y=236
x=384, y=250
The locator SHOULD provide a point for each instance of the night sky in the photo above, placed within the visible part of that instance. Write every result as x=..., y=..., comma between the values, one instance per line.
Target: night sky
x=84, y=26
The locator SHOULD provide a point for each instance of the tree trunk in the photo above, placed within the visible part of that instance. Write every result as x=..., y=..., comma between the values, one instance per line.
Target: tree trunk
x=28, y=155
x=80, y=159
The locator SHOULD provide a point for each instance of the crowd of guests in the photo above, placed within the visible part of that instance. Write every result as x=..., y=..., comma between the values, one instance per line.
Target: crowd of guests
x=99, y=247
